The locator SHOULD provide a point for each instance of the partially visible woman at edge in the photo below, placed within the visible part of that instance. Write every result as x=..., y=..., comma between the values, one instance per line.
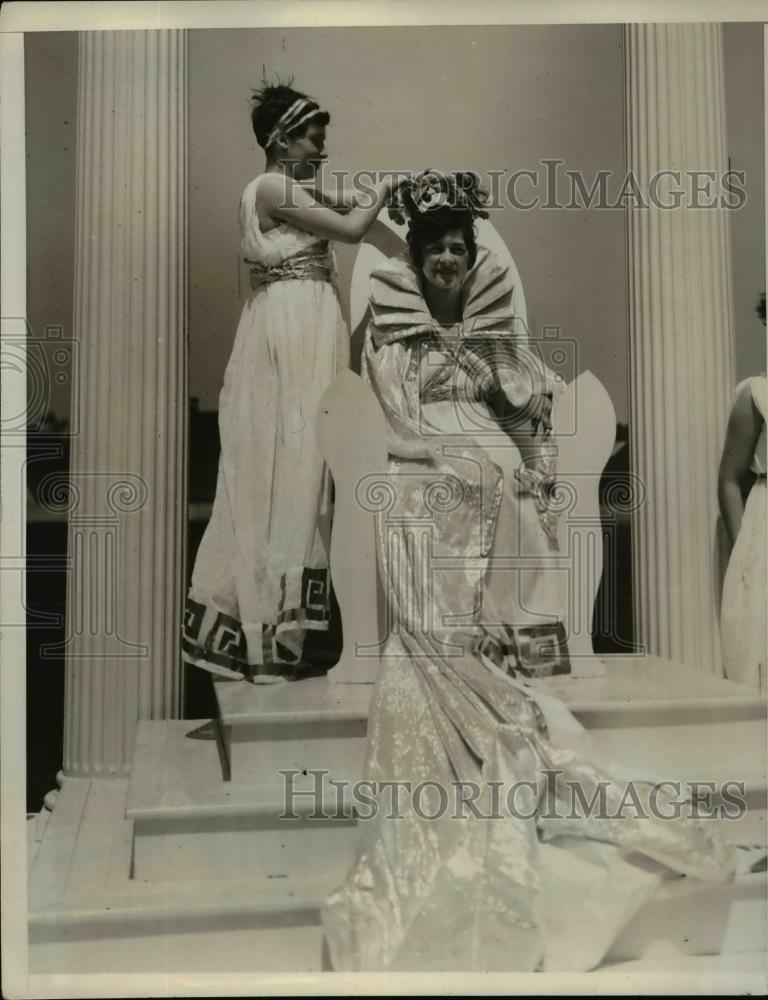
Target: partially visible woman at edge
x=260, y=585
x=743, y=467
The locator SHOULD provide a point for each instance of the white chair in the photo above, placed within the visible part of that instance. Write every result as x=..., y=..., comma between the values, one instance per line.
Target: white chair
x=352, y=436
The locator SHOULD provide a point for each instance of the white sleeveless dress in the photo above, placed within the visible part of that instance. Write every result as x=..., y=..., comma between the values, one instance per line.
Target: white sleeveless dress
x=260, y=583
x=744, y=617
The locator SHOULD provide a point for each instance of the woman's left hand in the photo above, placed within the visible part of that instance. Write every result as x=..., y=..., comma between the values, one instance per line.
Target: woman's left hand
x=541, y=405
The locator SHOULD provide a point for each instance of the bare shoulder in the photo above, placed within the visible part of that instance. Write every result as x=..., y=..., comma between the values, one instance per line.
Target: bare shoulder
x=743, y=397
x=745, y=416
x=272, y=189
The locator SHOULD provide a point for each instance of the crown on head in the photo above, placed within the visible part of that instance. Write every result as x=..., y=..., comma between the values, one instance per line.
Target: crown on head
x=432, y=190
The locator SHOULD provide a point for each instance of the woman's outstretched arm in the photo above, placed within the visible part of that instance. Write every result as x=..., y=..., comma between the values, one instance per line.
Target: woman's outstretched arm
x=281, y=199
x=744, y=426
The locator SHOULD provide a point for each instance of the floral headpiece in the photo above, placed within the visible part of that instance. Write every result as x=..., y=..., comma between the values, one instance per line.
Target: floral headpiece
x=431, y=190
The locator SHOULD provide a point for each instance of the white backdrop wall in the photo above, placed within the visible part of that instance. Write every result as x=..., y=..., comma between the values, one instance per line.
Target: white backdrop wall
x=480, y=98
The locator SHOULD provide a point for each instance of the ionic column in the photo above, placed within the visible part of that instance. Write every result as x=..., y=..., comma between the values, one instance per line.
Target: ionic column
x=681, y=330
x=128, y=462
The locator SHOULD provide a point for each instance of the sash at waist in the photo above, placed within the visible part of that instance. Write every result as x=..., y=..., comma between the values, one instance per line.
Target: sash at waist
x=313, y=262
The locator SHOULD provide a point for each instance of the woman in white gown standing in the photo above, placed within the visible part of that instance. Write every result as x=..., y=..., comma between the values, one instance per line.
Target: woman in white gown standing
x=260, y=583
x=745, y=589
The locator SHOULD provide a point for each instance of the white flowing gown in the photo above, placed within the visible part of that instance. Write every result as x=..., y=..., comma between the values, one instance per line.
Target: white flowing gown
x=260, y=582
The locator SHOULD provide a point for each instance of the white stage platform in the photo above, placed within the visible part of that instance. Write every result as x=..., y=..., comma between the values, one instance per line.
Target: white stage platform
x=180, y=869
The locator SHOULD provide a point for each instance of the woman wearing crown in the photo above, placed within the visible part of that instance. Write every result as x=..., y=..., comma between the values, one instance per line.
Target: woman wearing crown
x=449, y=356
x=479, y=862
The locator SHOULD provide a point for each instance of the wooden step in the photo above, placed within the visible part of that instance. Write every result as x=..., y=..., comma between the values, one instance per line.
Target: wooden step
x=190, y=824
x=637, y=687
x=701, y=751
x=703, y=970
x=229, y=926
x=88, y=915
x=296, y=724
x=700, y=920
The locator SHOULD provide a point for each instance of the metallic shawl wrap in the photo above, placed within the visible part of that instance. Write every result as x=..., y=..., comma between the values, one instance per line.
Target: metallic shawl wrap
x=489, y=350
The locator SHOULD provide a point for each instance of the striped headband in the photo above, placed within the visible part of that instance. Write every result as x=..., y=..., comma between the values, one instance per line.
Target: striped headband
x=298, y=114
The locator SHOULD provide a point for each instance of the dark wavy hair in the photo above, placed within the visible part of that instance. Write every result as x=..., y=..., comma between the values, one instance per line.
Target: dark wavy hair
x=272, y=100
x=433, y=225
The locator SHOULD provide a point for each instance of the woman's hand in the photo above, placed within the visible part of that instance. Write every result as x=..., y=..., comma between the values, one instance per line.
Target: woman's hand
x=541, y=404
x=394, y=197
x=398, y=179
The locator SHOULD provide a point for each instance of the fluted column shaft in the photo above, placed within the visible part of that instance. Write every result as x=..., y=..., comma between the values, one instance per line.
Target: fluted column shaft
x=128, y=466
x=681, y=329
